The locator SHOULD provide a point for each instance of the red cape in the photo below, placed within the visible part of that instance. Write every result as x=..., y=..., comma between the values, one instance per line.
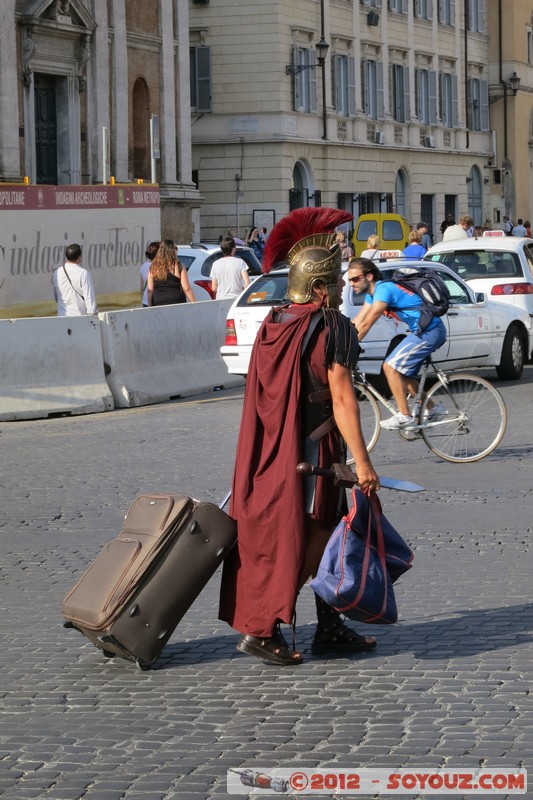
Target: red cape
x=261, y=575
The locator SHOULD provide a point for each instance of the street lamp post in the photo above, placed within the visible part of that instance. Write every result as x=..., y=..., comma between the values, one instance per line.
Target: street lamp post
x=513, y=84
x=321, y=53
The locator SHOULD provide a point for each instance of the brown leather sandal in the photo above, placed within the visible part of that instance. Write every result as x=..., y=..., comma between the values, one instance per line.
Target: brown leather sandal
x=274, y=649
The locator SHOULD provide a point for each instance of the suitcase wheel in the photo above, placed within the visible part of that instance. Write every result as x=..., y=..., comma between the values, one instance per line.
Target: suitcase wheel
x=108, y=654
x=142, y=665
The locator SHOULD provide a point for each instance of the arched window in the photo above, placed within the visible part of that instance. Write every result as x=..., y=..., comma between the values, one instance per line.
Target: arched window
x=302, y=194
x=141, y=130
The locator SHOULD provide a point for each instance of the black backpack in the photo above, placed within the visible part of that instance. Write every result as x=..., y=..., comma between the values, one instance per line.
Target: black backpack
x=429, y=286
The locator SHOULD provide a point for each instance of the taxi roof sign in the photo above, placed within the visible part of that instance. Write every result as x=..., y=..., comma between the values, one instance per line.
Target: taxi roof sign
x=494, y=233
x=389, y=254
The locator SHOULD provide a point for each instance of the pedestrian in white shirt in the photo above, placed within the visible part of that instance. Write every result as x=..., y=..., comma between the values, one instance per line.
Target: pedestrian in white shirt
x=73, y=286
x=229, y=275
x=519, y=229
x=458, y=231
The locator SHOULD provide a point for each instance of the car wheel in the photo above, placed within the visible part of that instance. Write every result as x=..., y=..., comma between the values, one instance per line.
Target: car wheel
x=513, y=357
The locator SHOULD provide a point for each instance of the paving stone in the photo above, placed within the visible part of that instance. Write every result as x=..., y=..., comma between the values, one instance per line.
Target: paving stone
x=448, y=685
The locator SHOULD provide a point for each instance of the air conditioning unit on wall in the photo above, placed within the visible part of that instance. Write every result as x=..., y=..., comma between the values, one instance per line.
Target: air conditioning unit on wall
x=379, y=137
x=429, y=141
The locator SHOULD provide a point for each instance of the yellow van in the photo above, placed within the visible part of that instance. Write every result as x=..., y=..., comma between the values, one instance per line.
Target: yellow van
x=393, y=231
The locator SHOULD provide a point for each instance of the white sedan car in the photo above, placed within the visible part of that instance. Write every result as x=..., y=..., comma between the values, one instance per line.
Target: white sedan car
x=481, y=333
x=499, y=265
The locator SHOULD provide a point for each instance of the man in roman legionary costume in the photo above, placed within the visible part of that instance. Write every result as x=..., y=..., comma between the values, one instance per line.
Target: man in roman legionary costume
x=299, y=405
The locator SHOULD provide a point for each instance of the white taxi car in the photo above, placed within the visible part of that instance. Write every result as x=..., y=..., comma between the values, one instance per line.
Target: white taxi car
x=481, y=333
x=499, y=265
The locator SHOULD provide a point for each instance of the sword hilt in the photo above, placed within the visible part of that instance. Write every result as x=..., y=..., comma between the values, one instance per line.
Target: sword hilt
x=341, y=473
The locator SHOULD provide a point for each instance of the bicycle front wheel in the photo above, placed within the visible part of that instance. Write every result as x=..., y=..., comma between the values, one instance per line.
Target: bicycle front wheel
x=474, y=422
x=370, y=417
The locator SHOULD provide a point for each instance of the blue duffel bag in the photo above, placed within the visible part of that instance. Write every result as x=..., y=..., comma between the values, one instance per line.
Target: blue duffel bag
x=362, y=559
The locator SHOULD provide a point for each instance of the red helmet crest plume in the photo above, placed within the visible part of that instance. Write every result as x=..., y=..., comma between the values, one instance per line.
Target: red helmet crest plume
x=296, y=226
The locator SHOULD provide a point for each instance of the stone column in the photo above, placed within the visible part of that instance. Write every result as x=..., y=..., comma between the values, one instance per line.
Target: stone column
x=168, y=91
x=120, y=94
x=99, y=116
x=183, y=89
x=10, y=73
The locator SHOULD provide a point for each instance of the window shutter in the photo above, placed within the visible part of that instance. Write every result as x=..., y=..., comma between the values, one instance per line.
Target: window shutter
x=364, y=87
x=484, y=104
x=296, y=82
x=429, y=9
x=480, y=16
x=406, y=98
x=455, y=103
x=334, y=70
x=418, y=9
x=404, y=6
x=312, y=82
x=380, y=98
x=203, y=72
x=351, y=86
x=432, y=87
x=441, y=10
x=452, y=12
x=470, y=110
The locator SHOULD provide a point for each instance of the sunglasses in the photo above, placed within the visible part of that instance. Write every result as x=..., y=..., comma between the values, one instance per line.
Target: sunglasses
x=357, y=278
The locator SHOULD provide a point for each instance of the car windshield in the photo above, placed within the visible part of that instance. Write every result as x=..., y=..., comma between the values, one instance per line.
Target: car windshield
x=481, y=263
x=268, y=290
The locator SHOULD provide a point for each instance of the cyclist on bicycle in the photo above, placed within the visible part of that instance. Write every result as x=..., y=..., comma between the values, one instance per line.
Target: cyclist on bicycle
x=402, y=365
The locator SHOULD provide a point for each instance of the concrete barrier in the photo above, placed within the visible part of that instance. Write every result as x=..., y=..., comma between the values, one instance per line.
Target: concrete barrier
x=156, y=354
x=51, y=365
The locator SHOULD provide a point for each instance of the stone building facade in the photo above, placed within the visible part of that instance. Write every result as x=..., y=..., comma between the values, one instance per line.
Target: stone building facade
x=511, y=56
x=395, y=118
x=80, y=82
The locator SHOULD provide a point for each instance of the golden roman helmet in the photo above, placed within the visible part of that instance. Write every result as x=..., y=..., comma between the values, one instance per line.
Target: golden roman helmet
x=315, y=258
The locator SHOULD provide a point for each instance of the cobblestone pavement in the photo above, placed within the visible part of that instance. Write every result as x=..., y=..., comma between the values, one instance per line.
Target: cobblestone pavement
x=449, y=685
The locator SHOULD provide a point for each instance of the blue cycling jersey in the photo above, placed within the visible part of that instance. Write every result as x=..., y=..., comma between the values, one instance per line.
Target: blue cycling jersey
x=403, y=302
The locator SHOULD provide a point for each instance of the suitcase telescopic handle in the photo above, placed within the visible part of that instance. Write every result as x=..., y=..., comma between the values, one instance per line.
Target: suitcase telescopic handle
x=225, y=500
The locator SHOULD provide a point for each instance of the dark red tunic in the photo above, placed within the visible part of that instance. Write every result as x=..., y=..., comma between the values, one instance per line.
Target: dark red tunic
x=261, y=575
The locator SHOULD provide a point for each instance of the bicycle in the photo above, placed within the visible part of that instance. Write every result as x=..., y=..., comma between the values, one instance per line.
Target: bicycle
x=473, y=426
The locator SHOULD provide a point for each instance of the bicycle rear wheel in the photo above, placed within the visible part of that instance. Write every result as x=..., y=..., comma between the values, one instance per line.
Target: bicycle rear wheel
x=370, y=417
x=474, y=423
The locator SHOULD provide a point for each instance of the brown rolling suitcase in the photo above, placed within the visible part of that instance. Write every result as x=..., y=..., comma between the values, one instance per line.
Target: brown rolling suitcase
x=131, y=598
